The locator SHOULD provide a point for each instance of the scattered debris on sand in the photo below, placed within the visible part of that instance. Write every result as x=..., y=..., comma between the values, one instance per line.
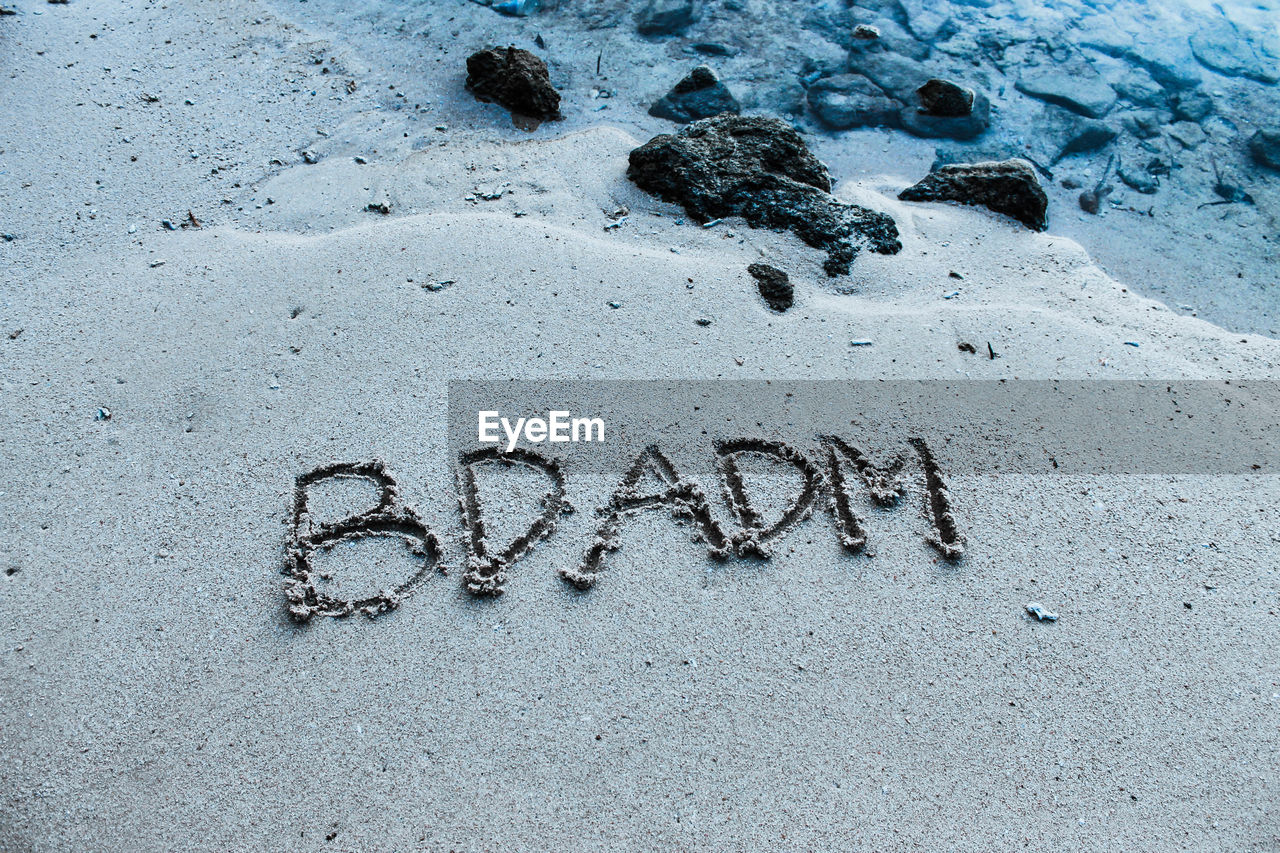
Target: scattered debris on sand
x=760, y=169
x=1091, y=200
x=515, y=79
x=699, y=95
x=775, y=286
x=1007, y=186
x=1037, y=610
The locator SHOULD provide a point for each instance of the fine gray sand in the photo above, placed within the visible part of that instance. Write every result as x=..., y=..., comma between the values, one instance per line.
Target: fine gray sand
x=156, y=695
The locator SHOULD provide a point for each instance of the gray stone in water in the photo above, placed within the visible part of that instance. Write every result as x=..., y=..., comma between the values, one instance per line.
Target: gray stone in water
x=1143, y=125
x=850, y=100
x=964, y=127
x=1138, y=87
x=1221, y=46
x=1264, y=146
x=898, y=76
x=1009, y=187
x=1075, y=86
x=666, y=17
x=1167, y=59
x=1188, y=134
x=699, y=95
x=1139, y=180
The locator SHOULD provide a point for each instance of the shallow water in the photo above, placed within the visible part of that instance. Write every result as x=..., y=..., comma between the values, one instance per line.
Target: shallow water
x=1183, y=86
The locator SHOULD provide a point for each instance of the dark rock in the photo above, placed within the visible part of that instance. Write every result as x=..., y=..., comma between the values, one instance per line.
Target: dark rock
x=1008, y=186
x=699, y=95
x=1221, y=46
x=1141, y=181
x=760, y=169
x=918, y=122
x=774, y=286
x=514, y=78
x=1265, y=148
x=1192, y=106
x=666, y=17
x=715, y=49
x=1087, y=137
x=851, y=100
x=1075, y=86
x=1090, y=201
x=944, y=99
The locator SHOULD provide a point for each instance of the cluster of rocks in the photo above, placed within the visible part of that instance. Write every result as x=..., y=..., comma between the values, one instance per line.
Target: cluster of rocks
x=1144, y=84
x=881, y=88
x=1138, y=83
x=760, y=169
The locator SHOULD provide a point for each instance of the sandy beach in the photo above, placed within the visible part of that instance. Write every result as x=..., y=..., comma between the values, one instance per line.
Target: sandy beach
x=243, y=243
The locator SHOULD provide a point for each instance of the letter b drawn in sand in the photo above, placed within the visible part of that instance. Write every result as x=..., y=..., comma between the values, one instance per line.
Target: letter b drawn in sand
x=487, y=572
x=388, y=519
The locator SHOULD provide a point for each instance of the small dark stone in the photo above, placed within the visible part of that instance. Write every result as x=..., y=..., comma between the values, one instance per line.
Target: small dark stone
x=514, y=78
x=1091, y=200
x=964, y=127
x=1008, y=186
x=945, y=99
x=714, y=48
x=1265, y=148
x=775, y=286
x=1192, y=106
x=760, y=169
x=666, y=17
x=699, y=95
x=1086, y=137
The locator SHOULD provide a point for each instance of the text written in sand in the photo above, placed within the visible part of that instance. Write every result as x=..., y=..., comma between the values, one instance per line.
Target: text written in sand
x=845, y=479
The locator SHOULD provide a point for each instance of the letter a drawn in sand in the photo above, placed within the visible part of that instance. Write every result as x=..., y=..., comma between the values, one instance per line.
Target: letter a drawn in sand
x=684, y=498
